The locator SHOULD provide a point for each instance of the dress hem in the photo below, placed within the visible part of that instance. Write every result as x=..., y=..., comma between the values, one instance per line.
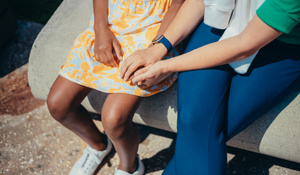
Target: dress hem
x=83, y=84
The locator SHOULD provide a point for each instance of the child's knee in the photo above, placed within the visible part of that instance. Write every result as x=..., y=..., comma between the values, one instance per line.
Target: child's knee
x=57, y=107
x=113, y=121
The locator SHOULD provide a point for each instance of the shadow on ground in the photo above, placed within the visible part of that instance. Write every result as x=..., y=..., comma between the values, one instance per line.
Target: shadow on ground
x=249, y=163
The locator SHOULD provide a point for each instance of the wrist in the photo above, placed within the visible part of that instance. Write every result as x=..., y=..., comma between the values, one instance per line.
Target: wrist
x=160, y=50
x=100, y=28
x=161, y=39
x=165, y=67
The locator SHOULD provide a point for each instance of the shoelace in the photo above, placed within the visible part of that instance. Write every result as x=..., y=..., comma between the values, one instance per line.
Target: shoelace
x=88, y=154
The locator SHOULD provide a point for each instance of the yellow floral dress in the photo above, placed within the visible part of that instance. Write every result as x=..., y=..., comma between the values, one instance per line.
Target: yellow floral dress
x=134, y=23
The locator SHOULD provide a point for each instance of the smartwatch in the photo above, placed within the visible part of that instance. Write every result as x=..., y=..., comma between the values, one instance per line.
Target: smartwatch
x=162, y=39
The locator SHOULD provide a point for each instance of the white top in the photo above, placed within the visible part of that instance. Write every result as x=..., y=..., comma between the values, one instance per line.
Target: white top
x=217, y=15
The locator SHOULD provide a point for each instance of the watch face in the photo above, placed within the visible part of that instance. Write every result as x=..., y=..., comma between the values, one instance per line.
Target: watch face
x=158, y=38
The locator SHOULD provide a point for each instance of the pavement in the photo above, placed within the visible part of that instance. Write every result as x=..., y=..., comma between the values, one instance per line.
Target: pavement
x=32, y=142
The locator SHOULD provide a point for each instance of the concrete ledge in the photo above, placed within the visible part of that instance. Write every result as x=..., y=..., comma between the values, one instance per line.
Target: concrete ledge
x=277, y=133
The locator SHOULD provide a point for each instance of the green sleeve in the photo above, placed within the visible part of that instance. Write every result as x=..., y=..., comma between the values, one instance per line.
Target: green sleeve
x=282, y=15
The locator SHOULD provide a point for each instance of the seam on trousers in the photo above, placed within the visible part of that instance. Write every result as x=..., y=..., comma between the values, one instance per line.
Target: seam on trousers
x=224, y=93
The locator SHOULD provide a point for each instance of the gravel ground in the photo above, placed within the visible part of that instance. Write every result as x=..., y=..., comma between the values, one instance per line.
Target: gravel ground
x=31, y=142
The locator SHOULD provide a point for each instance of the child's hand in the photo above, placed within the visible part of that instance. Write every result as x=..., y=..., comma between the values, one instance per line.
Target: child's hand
x=107, y=48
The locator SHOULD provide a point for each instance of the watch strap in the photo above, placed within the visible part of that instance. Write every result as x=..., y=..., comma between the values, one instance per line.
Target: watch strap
x=162, y=39
x=166, y=43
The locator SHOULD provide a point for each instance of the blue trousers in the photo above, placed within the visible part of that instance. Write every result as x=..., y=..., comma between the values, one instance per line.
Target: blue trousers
x=215, y=104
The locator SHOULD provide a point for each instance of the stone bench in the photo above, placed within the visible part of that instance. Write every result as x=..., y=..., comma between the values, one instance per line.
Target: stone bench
x=277, y=133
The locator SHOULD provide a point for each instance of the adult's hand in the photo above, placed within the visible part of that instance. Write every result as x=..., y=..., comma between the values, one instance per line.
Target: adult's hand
x=150, y=76
x=142, y=59
x=106, y=46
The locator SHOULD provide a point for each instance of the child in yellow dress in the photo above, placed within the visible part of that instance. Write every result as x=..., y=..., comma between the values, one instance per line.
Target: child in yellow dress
x=117, y=29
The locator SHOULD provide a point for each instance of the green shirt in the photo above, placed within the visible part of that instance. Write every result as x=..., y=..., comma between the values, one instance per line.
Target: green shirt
x=282, y=15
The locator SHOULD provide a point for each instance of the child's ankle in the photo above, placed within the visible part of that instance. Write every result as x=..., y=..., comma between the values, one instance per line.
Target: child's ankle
x=129, y=169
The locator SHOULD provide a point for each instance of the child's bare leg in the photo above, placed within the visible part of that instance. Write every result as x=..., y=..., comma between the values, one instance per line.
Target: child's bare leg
x=117, y=114
x=64, y=105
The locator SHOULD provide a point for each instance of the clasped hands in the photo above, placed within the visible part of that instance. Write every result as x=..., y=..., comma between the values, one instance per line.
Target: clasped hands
x=143, y=67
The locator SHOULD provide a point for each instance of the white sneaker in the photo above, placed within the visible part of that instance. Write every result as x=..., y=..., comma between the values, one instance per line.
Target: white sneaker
x=90, y=160
x=140, y=170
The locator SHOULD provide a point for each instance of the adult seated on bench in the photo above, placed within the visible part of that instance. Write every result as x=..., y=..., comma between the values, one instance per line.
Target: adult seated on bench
x=218, y=96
